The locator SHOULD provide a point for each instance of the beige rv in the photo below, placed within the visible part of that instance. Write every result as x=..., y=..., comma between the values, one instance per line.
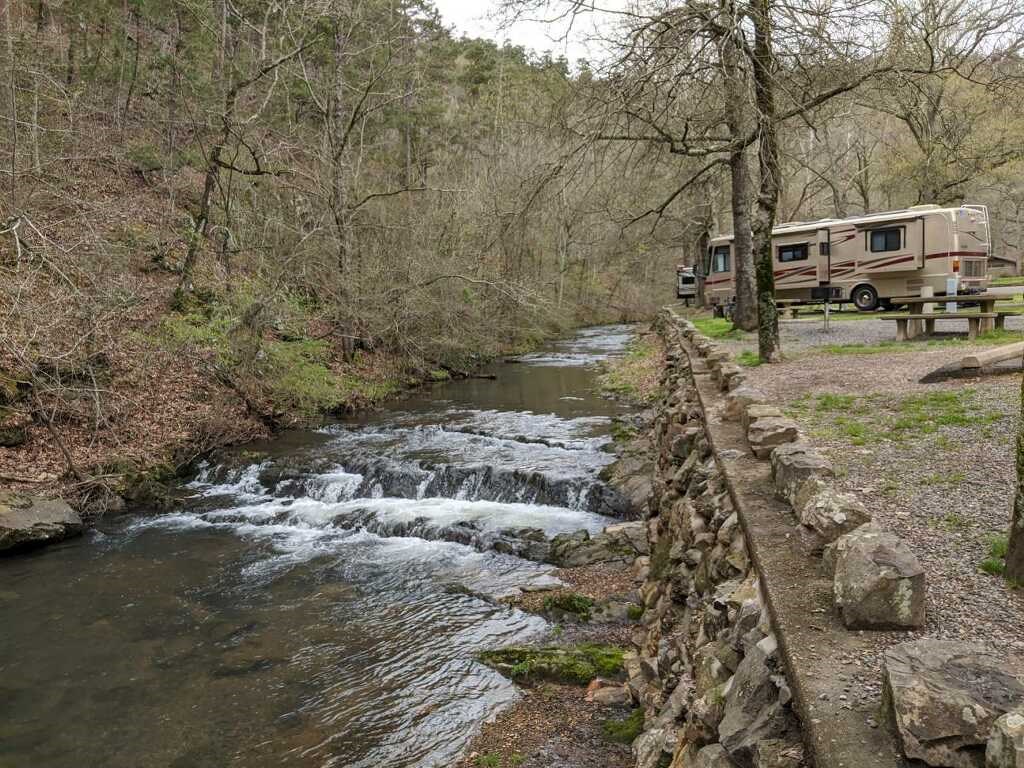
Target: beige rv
x=867, y=260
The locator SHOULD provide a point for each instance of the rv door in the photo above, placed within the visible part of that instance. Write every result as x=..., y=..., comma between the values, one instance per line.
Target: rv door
x=824, y=256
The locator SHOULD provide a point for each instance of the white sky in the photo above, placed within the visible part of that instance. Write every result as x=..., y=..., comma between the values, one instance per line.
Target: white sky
x=479, y=18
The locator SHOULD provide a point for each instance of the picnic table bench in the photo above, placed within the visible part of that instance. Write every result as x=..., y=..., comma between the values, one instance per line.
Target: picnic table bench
x=906, y=331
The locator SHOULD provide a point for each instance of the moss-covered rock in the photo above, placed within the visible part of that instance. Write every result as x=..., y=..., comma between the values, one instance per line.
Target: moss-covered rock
x=568, y=605
x=575, y=664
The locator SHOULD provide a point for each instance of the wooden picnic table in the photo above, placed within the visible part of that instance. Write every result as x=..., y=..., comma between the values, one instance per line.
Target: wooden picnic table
x=986, y=303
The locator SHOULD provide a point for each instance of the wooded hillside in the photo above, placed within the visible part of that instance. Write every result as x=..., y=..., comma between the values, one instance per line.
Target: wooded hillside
x=272, y=210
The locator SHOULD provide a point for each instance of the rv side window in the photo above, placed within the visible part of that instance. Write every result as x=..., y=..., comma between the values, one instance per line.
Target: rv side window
x=886, y=239
x=796, y=252
x=720, y=259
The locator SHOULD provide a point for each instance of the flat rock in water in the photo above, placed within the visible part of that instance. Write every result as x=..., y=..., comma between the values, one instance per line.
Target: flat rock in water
x=945, y=696
x=26, y=521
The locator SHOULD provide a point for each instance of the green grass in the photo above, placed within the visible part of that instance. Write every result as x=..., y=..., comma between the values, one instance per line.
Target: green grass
x=884, y=347
x=748, y=358
x=865, y=419
x=497, y=760
x=1008, y=280
x=995, y=563
x=626, y=730
x=719, y=328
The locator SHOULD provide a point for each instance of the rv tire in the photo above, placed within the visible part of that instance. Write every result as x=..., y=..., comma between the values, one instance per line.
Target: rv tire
x=865, y=298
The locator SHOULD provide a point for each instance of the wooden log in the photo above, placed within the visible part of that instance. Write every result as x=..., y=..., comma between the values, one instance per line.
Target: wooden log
x=989, y=356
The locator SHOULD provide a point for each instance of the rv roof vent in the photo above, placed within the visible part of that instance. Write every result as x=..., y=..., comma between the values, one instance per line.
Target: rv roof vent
x=923, y=207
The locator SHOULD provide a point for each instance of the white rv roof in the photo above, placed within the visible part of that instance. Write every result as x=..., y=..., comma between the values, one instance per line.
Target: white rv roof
x=914, y=211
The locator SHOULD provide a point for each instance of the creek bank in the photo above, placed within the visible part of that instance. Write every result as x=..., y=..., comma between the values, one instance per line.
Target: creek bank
x=27, y=522
x=195, y=416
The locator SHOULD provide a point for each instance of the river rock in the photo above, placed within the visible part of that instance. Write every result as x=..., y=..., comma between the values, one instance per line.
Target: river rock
x=570, y=550
x=1005, y=747
x=632, y=535
x=793, y=466
x=610, y=693
x=878, y=582
x=944, y=698
x=26, y=521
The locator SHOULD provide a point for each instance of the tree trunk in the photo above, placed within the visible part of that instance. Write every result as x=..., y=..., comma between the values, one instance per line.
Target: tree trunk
x=1015, y=552
x=745, y=314
x=337, y=126
x=768, y=193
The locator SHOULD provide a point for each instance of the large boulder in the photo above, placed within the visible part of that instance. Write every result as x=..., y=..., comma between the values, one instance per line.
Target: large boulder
x=26, y=521
x=631, y=537
x=878, y=582
x=756, y=704
x=1006, y=742
x=794, y=465
x=944, y=698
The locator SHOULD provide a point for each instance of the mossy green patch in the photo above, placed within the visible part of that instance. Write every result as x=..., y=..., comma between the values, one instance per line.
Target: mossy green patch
x=577, y=664
x=624, y=731
x=266, y=349
x=995, y=563
x=571, y=603
x=719, y=328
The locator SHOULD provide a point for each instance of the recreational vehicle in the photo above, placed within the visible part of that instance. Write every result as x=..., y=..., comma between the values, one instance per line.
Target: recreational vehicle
x=867, y=260
x=686, y=283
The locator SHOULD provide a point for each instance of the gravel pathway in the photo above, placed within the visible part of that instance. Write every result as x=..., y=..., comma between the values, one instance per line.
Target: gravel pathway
x=933, y=462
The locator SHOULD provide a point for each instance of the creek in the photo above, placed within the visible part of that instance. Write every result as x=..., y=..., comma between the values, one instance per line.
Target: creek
x=316, y=599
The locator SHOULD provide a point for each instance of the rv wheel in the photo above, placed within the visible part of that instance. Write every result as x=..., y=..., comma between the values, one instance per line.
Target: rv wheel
x=865, y=298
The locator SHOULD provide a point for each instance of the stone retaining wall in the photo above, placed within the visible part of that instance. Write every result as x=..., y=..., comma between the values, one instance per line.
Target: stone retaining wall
x=761, y=577
x=706, y=667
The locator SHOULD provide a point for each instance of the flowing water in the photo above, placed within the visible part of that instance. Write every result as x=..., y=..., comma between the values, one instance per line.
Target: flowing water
x=316, y=600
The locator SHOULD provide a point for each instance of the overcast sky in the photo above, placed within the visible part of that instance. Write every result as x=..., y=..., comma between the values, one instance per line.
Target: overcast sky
x=477, y=18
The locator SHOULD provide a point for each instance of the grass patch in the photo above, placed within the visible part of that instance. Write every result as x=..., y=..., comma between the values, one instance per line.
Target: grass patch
x=719, y=328
x=264, y=351
x=636, y=375
x=575, y=664
x=1008, y=280
x=497, y=760
x=624, y=731
x=635, y=612
x=995, y=563
x=1001, y=336
x=864, y=419
x=865, y=349
x=748, y=358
